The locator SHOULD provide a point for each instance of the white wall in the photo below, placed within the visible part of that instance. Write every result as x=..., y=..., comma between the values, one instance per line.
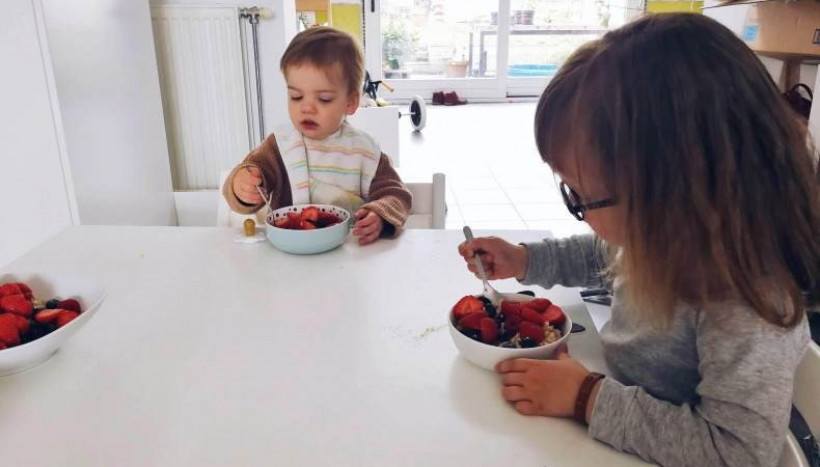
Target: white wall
x=106, y=77
x=34, y=198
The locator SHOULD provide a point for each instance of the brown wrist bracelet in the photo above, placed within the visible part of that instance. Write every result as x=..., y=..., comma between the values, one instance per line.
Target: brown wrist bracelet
x=582, y=399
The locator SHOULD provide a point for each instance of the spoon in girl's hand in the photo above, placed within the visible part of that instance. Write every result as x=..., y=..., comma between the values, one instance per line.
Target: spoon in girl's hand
x=489, y=291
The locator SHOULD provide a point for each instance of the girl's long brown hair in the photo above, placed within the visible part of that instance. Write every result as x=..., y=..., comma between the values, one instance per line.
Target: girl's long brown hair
x=712, y=171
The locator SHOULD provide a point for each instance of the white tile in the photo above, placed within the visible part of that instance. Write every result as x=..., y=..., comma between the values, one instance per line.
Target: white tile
x=489, y=212
x=543, y=194
x=561, y=229
x=544, y=211
x=525, y=180
x=495, y=196
x=454, y=213
x=468, y=182
x=499, y=225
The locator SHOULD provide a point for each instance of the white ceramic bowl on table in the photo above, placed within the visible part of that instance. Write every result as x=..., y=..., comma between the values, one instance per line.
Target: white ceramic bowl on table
x=45, y=286
x=308, y=242
x=487, y=356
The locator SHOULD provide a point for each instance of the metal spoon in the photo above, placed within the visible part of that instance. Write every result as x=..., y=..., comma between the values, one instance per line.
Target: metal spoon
x=265, y=197
x=489, y=291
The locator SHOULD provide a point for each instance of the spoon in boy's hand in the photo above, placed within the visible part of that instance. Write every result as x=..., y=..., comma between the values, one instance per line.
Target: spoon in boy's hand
x=266, y=198
x=489, y=291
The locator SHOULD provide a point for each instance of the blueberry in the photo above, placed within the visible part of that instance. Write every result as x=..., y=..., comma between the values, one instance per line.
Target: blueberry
x=36, y=330
x=486, y=301
x=527, y=292
x=472, y=334
x=528, y=342
x=53, y=303
x=490, y=309
x=506, y=335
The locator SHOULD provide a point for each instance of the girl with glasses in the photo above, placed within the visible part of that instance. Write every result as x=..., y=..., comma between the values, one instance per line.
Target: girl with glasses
x=673, y=143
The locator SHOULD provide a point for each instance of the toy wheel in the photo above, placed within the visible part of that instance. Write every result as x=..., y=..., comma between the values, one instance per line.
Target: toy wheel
x=418, y=113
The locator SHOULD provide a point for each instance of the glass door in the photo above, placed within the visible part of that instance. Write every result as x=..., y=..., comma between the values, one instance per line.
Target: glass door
x=422, y=46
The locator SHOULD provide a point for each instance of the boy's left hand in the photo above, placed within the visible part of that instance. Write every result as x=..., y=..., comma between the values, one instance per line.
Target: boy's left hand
x=368, y=226
x=542, y=387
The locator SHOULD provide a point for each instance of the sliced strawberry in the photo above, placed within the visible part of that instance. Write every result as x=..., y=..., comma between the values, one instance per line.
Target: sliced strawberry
x=3, y=345
x=307, y=225
x=539, y=304
x=532, y=331
x=70, y=304
x=512, y=322
x=22, y=323
x=25, y=290
x=528, y=314
x=509, y=308
x=472, y=320
x=281, y=222
x=47, y=315
x=9, y=333
x=65, y=317
x=310, y=213
x=489, y=330
x=10, y=288
x=554, y=315
x=467, y=305
x=17, y=304
x=291, y=221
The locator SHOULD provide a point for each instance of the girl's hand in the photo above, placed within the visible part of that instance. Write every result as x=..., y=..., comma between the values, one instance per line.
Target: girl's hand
x=543, y=387
x=500, y=258
x=244, y=185
x=368, y=226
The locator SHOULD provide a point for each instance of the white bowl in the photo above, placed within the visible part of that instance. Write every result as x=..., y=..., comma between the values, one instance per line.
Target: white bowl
x=308, y=242
x=487, y=356
x=87, y=292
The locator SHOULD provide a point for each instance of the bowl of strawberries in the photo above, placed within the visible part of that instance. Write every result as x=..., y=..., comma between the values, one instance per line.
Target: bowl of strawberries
x=308, y=229
x=38, y=314
x=521, y=326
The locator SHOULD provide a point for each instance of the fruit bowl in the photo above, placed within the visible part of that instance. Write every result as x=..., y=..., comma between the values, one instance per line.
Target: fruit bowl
x=88, y=294
x=307, y=229
x=487, y=355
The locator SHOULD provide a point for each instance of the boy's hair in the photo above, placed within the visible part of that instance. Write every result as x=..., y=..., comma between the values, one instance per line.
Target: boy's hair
x=711, y=169
x=325, y=47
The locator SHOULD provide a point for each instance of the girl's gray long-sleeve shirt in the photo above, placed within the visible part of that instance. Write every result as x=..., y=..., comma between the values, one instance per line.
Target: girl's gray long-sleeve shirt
x=713, y=388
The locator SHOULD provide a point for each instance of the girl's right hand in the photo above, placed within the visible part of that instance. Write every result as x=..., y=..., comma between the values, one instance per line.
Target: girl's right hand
x=244, y=185
x=500, y=258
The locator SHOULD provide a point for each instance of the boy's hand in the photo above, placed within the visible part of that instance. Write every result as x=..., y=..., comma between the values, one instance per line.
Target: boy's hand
x=542, y=387
x=500, y=258
x=244, y=185
x=368, y=226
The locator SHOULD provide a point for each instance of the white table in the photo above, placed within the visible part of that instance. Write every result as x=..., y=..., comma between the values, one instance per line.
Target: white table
x=208, y=352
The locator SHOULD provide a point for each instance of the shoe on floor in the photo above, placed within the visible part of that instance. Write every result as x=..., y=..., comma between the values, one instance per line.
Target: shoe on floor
x=451, y=98
x=438, y=98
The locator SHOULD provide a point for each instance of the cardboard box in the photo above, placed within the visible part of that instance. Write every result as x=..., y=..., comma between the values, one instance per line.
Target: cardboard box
x=782, y=29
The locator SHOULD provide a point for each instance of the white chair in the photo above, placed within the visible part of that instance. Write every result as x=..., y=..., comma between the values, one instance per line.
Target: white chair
x=225, y=217
x=429, y=209
x=807, y=401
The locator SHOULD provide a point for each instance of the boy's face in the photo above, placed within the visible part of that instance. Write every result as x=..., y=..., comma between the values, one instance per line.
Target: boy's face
x=317, y=104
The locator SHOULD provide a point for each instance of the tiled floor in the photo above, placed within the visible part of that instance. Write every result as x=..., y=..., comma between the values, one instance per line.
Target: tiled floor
x=495, y=178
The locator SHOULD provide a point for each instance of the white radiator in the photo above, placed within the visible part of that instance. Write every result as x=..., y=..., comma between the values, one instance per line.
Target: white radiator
x=203, y=81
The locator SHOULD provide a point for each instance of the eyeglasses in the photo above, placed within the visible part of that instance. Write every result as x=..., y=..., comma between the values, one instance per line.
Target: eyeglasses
x=578, y=208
